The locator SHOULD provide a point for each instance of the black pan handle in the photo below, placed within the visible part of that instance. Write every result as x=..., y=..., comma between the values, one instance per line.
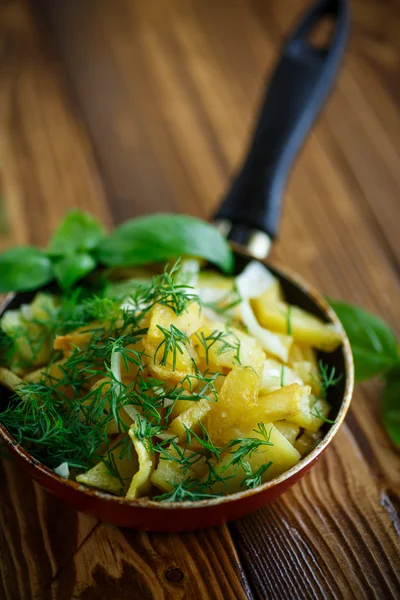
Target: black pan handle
x=298, y=88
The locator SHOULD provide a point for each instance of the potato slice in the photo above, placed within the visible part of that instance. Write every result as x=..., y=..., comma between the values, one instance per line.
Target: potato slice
x=309, y=374
x=222, y=346
x=104, y=393
x=100, y=477
x=163, y=316
x=276, y=344
x=169, y=473
x=289, y=430
x=311, y=408
x=307, y=442
x=190, y=418
x=79, y=338
x=282, y=454
x=9, y=379
x=304, y=327
x=141, y=482
x=178, y=363
x=238, y=396
x=284, y=403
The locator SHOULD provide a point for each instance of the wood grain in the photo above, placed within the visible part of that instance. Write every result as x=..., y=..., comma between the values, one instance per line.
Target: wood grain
x=131, y=107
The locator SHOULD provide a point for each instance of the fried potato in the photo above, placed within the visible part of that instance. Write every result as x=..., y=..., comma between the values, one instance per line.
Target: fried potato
x=100, y=477
x=79, y=338
x=309, y=374
x=169, y=473
x=284, y=403
x=238, y=396
x=174, y=367
x=9, y=379
x=289, y=430
x=141, y=482
x=307, y=442
x=190, y=418
x=163, y=316
x=304, y=327
x=282, y=454
x=222, y=346
x=313, y=412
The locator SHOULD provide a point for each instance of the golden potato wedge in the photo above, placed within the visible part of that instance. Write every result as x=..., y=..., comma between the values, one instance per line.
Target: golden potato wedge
x=169, y=473
x=9, y=379
x=222, y=346
x=79, y=338
x=312, y=409
x=141, y=481
x=304, y=327
x=282, y=454
x=174, y=366
x=163, y=316
x=283, y=403
x=238, y=396
x=289, y=430
x=101, y=478
x=190, y=418
x=307, y=442
x=309, y=374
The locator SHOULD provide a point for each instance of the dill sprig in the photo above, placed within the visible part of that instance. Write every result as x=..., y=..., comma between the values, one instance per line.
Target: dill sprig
x=289, y=320
x=253, y=480
x=173, y=341
x=224, y=342
x=205, y=441
x=241, y=448
x=186, y=491
x=165, y=289
x=326, y=377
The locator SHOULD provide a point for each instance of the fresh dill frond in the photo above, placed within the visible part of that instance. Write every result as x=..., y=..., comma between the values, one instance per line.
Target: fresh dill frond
x=224, y=341
x=241, y=448
x=327, y=378
x=185, y=491
x=253, y=480
x=205, y=441
x=173, y=342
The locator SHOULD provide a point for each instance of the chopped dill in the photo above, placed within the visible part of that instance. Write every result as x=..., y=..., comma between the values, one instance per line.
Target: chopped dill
x=253, y=480
x=327, y=377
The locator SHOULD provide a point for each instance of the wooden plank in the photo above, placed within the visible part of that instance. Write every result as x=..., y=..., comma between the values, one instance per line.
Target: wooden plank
x=46, y=549
x=122, y=564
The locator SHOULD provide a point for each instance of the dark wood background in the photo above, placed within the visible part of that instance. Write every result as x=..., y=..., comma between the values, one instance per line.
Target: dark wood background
x=130, y=106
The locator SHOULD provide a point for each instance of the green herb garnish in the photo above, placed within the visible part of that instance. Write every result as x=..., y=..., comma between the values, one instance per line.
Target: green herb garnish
x=80, y=244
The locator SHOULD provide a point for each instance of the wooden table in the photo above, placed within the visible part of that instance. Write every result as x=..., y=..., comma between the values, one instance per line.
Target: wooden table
x=135, y=106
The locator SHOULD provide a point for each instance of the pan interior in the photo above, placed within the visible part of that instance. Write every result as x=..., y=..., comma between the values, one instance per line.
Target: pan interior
x=294, y=293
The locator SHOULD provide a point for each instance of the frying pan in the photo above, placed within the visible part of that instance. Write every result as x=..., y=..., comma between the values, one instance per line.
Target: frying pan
x=249, y=216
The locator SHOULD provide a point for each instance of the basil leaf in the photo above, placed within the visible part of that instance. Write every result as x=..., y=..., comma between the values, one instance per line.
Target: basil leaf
x=72, y=268
x=78, y=231
x=24, y=268
x=374, y=345
x=159, y=237
x=391, y=405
